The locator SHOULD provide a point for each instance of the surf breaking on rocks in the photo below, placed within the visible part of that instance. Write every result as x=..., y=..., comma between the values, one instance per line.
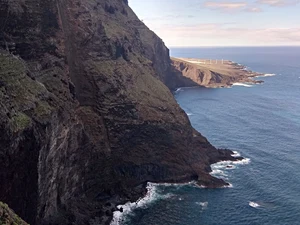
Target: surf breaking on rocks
x=120, y=216
x=220, y=169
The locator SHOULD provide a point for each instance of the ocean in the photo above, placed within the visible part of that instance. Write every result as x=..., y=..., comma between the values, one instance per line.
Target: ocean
x=259, y=122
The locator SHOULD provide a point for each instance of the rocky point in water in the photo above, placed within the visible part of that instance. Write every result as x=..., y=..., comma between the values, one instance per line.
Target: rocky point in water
x=87, y=116
x=214, y=73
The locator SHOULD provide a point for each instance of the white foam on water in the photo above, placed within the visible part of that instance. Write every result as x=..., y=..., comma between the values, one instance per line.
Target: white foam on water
x=254, y=204
x=175, y=184
x=190, y=114
x=242, y=84
x=244, y=161
x=151, y=196
x=177, y=90
x=220, y=169
x=228, y=186
x=267, y=75
x=236, y=154
x=219, y=173
x=203, y=205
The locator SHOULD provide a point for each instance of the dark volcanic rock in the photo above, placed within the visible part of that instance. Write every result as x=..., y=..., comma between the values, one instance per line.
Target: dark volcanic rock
x=86, y=119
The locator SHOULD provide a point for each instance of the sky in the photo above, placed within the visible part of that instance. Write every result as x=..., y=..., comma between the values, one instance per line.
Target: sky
x=189, y=23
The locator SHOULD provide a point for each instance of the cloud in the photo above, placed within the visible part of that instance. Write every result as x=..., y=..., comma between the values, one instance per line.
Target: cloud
x=231, y=6
x=278, y=3
x=253, y=9
x=227, y=34
x=225, y=6
x=167, y=17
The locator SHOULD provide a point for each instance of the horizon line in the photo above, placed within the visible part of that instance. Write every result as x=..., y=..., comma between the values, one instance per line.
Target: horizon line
x=234, y=46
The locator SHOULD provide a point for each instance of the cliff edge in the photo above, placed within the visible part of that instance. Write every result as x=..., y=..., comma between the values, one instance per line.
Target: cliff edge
x=212, y=73
x=7, y=216
x=86, y=118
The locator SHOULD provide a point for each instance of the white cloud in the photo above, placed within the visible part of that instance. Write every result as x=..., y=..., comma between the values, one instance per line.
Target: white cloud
x=253, y=9
x=226, y=34
x=225, y=6
x=278, y=3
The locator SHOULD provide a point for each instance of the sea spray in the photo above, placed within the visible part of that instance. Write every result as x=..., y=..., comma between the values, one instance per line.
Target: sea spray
x=119, y=217
x=220, y=169
x=152, y=196
x=242, y=84
x=266, y=75
x=254, y=204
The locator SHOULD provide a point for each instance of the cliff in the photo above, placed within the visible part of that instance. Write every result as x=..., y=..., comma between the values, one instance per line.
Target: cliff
x=7, y=216
x=86, y=118
x=211, y=74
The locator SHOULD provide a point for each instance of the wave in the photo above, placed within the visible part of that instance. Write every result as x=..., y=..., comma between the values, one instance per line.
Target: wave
x=120, y=217
x=190, y=114
x=151, y=196
x=203, y=205
x=254, y=204
x=236, y=154
x=175, y=184
x=177, y=90
x=242, y=84
x=220, y=169
x=267, y=75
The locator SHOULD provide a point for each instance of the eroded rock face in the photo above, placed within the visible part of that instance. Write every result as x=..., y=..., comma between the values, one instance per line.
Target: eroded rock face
x=7, y=216
x=86, y=118
x=211, y=75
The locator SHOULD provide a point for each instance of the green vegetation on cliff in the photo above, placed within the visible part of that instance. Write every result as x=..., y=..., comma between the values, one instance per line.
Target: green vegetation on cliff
x=8, y=217
x=22, y=97
x=87, y=116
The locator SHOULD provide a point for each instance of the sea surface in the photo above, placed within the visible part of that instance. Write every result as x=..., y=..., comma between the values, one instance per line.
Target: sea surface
x=261, y=123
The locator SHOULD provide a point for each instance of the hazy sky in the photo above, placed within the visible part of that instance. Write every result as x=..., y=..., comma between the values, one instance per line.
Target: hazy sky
x=222, y=23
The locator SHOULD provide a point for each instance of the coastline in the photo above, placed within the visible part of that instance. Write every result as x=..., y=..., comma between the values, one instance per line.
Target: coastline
x=216, y=73
x=151, y=195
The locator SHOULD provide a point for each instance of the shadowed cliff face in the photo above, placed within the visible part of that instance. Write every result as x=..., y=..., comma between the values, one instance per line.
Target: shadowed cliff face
x=86, y=118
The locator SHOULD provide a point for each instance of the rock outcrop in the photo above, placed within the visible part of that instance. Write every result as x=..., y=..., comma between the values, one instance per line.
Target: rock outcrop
x=211, y=75
x=8, y=217
x=85, y=118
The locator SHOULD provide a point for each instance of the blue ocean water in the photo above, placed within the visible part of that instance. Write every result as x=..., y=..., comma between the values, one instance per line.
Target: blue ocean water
x=262, y=123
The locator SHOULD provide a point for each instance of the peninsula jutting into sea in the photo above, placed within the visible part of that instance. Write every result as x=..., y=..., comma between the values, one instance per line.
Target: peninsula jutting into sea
x=215, y=73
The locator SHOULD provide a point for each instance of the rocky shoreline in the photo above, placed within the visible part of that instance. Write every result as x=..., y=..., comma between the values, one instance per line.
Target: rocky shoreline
x=215, y=74
x=87, y=116
x=209, y=181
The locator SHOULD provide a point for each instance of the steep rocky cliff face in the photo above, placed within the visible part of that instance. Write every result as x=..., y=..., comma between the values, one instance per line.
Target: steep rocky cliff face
x=201, y=76
x=85, y=118
x=8, y=217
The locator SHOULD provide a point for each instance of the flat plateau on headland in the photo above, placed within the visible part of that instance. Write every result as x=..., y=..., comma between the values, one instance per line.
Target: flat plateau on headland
x=215, y=73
